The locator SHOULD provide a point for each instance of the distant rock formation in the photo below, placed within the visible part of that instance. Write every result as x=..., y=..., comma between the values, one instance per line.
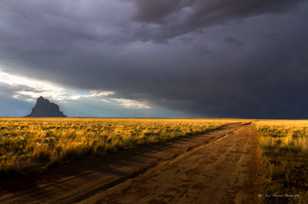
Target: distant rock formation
x=45, y=108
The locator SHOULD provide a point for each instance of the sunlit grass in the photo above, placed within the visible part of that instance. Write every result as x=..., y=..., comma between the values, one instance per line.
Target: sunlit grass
x=285, y=151
x=35, y=144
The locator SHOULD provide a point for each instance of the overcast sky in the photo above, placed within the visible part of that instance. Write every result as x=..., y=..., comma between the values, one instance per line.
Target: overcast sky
x=130, y=58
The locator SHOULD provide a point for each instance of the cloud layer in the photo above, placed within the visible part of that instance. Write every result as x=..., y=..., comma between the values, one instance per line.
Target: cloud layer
x=176, y=17
x=205, y=58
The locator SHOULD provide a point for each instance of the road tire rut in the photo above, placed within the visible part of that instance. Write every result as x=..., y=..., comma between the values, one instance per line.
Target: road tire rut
x=222, y=171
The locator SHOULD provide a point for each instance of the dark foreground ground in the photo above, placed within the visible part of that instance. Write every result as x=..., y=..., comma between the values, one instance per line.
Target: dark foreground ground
x=220, y=167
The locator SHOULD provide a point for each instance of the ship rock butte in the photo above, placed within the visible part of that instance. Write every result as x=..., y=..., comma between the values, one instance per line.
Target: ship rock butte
x=45, y=108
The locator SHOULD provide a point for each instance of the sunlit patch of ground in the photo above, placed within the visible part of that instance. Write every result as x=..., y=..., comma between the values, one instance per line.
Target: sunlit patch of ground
x=285, y=150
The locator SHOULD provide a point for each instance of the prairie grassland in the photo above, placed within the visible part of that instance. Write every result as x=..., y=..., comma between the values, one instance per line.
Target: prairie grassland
x=35, y=144
x=285, y=150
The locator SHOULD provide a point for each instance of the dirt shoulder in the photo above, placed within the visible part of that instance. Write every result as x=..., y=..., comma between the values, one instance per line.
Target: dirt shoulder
x=216, y=167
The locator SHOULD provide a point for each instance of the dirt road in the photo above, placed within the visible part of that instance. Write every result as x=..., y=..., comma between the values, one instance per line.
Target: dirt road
x=220, y=167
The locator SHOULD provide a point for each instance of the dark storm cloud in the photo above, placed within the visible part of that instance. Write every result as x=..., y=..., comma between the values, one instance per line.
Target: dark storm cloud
x=180, y=16
x=155, y=11
x=254, y=67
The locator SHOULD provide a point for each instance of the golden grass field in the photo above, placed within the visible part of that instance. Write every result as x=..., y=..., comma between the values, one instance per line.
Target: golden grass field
x=285, y=153
x=35, y=144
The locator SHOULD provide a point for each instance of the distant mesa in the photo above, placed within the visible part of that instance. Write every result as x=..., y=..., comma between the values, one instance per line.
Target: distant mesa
x=45, y=108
